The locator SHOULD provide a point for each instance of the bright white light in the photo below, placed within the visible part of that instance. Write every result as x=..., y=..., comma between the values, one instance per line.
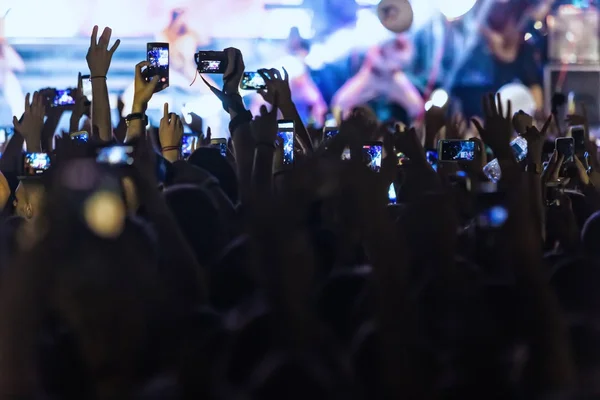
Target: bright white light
x=454, y=9
x=439, y=98
x=527, y=36
x=538, y=25
x=428, y=105
x=367, y=2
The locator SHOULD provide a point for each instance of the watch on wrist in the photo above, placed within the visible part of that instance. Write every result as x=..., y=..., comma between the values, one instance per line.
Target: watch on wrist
x=135, y=116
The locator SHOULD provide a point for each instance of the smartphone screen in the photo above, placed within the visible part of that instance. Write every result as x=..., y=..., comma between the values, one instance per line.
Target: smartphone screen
x=286, y=134
x=372, y=154
x=432, y=158
x=81, y=136
x=115, y=155
x=578, y=134
x=330, y=132
x=211, y=62
x=220, y=144
x=35, y=164
x=64, y=97
x=392, y=197
x=187, y=145
x=565, y=147
x=252, y=81
x=457, y=150
x=86, y=86
x=519, y=147
x=158, y=57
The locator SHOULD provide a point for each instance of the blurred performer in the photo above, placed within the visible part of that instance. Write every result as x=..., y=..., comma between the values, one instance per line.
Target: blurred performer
x=381, y=75
x=305, y=93
x=478, y=54
x=10, y=61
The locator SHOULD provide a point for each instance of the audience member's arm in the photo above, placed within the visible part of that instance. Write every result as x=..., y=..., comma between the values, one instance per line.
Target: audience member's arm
x=11, y=158
x=143, y=92
x=98, y=58
x=170, y=133
x=264, y=129
x=276, y=85
x=32, y=123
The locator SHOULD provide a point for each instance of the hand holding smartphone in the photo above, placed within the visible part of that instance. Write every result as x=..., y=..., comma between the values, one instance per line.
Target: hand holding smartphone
x=220, y=144
x=188, y=144
x=157, y=54
x=372, y=153
x=115, y=155
x=81, y=136
x=55, y=98
x=565, y=147
x=86, y=87
x=578, y=135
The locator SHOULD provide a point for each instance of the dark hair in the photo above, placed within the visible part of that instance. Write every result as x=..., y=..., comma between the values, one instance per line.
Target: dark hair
x=211, y=160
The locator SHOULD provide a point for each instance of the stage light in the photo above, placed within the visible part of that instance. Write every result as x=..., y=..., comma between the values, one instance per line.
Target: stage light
x=538, y=25
x=428, y=105
x=439, y=98
x=528, y=36
x=456, y=8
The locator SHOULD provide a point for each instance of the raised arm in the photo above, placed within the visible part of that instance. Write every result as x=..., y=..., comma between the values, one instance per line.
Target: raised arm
x=98, y=58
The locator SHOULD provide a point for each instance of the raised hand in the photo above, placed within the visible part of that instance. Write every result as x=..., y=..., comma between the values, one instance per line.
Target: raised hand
x=205, y=139
x=81, y=108
x=264, y=126
x=170, y=130
x=276, y=84
x=99, y=56
x=32, y=122
x=143, y=90
x=234, y=72
x=498, y=127
x=535, y=141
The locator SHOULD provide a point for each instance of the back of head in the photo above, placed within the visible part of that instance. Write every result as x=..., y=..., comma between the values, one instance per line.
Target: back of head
x=198, y=219
x=211, y=160
x=590, y=236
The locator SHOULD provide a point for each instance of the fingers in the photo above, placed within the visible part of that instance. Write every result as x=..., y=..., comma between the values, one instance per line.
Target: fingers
x=275, y=103
x=27, y=103
x=166, y=110
x=79, y=84
x=265, y=75
x=499, y=105
x=508, y=110
x=139, y=66
x=16, y=124
x=275, y=73
x=114, y=47
x=478, y=127
x=154, y=82
x=263, y=111
x=105, y=37
x=286, y=76
x=208, y=134
x=94, y=37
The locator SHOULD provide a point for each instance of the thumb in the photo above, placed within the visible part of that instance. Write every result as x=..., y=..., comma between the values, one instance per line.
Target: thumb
x=16, y=123
x=478, y=127
x=208, y=134
x=154, y=82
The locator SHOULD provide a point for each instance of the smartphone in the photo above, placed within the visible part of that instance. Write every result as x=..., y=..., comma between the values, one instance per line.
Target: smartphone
x=330, y=132
x=372, y=154
x=492, y=169
x=35, y=164
x=61, y=98
x=115, y=155
x=519, y=148
x=252, y=81
x=86, y=86
x=578, y=135
x=220, y=144
x=392, y=197
x=455, y=150
x=565, y=147
x=157, y=54
x=211, y=62
x=286, y=134
x=81, y=136
x=432, y=158
x=187, y=145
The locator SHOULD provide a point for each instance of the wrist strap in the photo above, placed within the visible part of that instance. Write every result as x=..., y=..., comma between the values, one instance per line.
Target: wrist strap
x=134, y=116
x=170, y=148
x=98, y=77
x=240, y=119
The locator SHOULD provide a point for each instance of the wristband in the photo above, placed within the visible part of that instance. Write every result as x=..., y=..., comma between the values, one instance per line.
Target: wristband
x=170, y=148
x=135, y=116
x=240, y=119
x=98, y=77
